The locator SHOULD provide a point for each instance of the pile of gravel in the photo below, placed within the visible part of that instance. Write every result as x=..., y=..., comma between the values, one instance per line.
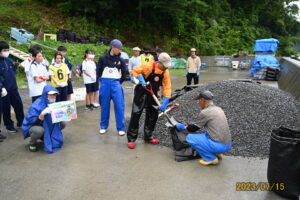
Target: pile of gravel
x=253, y=111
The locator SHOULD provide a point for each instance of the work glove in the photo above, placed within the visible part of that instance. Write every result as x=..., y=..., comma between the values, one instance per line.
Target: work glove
x=46, y=111
x=198, y=72
x=164, y=104
x=3, y=92
x=133, y=79
x=142, y=80
x=180, y=127
x=186, y=72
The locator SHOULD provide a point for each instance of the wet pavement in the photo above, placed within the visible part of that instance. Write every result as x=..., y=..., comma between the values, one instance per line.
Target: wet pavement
x=92, y=166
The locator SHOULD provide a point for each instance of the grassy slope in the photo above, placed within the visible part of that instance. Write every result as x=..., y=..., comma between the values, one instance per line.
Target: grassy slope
x=33, y=17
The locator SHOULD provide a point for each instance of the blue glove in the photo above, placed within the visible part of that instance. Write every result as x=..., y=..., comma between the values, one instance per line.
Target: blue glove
x=180, y=127
x=186, y=72
x=198, y=72
x=142, y=80
x=164, y=104
x=132, y=79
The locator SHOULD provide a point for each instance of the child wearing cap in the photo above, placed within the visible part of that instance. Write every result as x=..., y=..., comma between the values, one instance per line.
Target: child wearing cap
x=38, y=123
x=90, y=79
x=59, y=73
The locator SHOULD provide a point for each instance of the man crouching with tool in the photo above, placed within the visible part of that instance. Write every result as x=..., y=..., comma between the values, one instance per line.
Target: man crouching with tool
x=216, y=138
x=150, y=76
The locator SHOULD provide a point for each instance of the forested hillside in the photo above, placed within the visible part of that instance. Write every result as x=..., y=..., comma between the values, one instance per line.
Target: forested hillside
x=215, y=27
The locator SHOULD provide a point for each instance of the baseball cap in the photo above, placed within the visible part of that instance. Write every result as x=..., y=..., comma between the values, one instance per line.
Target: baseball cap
x=116, y=43
x=207, y=95
x=52, y=92
x=136, y=49
x=165, y=59
x=193, y=49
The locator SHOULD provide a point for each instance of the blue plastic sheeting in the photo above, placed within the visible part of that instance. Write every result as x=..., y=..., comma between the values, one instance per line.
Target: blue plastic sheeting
x=261, y=62
x=265, y=61
x=266, y=45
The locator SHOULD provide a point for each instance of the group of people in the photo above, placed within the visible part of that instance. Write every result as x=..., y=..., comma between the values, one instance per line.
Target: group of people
x=148, y=73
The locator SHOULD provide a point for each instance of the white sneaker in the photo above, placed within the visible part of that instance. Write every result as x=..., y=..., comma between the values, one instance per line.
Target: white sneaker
x=102, y=131
x=96, y=105
x=121, y=133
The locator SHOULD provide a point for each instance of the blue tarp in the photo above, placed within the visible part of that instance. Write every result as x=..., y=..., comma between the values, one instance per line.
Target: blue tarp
x=263, y=61
x=266, y=45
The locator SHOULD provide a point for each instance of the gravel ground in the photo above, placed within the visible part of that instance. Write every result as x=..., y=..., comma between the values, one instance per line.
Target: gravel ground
x=253, y=111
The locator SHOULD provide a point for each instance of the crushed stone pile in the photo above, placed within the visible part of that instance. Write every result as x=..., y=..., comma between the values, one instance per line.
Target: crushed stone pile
x=253, y=111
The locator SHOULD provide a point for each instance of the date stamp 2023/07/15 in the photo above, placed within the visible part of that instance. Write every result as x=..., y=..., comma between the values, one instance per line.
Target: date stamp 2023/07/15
x=262, y=186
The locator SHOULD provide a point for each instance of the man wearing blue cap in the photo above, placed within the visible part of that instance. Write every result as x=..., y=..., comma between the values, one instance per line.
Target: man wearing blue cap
x=111, y=72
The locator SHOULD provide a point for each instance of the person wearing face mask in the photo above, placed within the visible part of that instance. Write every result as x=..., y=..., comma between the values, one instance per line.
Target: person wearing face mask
x=59, y=73
x=89, y=68
x=112, y=72
x=8, y=79
x=146, y=56
x=38, y=76
x=38, y=123
x=157, y=74
x=193, y=66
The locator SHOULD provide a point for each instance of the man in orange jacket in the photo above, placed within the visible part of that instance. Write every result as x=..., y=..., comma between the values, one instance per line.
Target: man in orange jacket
x=156, y=73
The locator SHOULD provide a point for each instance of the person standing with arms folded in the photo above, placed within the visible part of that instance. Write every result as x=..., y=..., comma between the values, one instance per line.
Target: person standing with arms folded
x=38, y=76
x=193, y=66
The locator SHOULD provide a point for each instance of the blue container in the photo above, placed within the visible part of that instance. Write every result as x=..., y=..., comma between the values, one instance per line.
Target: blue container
x=21, y=35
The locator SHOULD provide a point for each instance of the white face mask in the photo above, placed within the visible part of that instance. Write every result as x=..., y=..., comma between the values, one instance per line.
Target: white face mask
x=91, y=56
x=5, y=54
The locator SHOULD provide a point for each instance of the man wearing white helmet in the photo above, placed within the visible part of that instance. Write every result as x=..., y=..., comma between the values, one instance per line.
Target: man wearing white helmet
x=193, y=65
x=135, y=60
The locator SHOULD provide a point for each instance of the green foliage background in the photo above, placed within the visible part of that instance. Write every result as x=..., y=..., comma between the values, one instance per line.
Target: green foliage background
x=214, y=27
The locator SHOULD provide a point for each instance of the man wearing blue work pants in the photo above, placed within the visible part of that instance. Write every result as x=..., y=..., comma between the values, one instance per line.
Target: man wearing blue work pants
x=216, y=139
x=112, y=71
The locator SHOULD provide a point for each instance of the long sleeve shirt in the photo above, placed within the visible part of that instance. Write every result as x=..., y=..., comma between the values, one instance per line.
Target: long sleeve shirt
x=213, y=119
x=193, y=64
x=146, y=70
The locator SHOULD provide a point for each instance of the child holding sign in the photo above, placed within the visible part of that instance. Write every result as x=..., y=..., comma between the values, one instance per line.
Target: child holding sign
x=59, y=73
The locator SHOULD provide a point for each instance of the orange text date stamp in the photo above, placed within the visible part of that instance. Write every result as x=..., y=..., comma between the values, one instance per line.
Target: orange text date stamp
x=262, y=186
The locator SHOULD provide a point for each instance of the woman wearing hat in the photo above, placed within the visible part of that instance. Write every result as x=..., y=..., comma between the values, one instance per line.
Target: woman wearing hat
x=193, y=65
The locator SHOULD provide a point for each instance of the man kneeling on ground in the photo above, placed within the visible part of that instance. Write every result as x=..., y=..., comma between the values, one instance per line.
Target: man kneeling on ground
x=216, y=138
x=38, y=123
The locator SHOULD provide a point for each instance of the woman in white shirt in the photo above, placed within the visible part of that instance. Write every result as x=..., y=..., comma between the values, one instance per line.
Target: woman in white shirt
x=90, y=81
x=37, y=76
